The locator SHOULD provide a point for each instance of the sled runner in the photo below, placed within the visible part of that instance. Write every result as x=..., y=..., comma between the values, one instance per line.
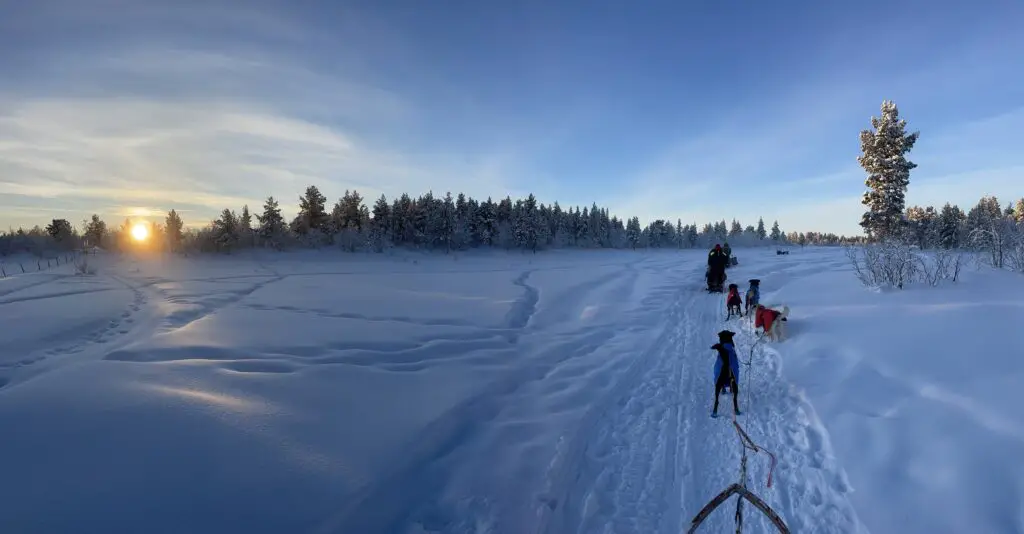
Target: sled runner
x=740, y=489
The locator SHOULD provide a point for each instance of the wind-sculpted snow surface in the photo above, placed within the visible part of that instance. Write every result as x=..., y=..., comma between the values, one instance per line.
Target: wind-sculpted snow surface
x=562, y=392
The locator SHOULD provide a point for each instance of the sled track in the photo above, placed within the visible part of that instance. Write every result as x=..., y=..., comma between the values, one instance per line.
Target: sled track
x=617, y=472
x=810, y=489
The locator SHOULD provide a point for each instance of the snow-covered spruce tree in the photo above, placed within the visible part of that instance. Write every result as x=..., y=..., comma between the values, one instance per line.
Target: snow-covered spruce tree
x=312, y=221
x=692, y=236
x=762, y=234
x=561, y=232
x=922, y=226
x=462, y=236
x=424, y=221
x=446, y=223
x=402, y=227
x=525, y=224
x=347, y=222
x=380, y=225
x=173, y=226
x=96, y=230
x=736, y=230
x=776, y=234
x=245, y=235
x=62, y=234
x=949, y=227
x=883, y=157
x=544, y=234
x=990, y=231
x=271, y=230
x=633, y=232
x=225, y=231
x=486, y=223
x=582, y=227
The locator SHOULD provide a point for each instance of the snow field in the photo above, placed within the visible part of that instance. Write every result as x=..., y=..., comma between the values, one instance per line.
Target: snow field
x=501, y=393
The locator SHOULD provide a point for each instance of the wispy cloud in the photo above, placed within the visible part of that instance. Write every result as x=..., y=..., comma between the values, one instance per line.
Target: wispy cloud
x=132, y=108
x=148, y=120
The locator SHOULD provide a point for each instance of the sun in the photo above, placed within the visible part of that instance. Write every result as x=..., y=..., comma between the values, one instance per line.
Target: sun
x=140, y=232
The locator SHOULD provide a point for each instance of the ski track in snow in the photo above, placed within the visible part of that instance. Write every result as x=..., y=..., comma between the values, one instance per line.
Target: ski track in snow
x=136, y=321
x=412, y=498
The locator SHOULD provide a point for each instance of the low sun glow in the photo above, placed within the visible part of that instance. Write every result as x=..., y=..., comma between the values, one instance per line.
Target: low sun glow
x=140, y=232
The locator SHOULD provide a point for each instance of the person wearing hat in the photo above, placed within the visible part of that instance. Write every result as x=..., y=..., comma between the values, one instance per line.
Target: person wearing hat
x=727, y=370
x=716, y=267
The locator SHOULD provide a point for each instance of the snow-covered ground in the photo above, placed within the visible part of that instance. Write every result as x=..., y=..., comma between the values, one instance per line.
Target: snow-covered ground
x=563, y=392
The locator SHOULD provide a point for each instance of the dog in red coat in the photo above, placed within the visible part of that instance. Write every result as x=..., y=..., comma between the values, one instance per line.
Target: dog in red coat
x=734, y=302
x=772, y=321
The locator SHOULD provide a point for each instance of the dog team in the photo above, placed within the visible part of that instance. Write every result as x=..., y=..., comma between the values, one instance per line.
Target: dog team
x=768, y=319
x=771, y=321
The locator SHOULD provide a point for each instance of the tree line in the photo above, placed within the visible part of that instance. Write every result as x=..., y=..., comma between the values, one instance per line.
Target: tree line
x=460, y=222
x=429, y=222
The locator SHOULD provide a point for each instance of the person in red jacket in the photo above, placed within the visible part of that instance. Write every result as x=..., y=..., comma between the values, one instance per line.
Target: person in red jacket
x=770, y=320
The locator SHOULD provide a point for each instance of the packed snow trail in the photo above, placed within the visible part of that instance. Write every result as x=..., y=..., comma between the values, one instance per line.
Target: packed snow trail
x=625, y=471
x=658, y=457
x=809, y=491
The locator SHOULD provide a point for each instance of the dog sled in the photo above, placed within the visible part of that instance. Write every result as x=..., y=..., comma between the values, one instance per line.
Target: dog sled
x=715, y=281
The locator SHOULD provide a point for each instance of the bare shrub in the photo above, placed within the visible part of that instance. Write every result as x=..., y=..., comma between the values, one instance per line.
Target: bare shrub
x=943, y=264
x=887, y=265
x=1015, y=249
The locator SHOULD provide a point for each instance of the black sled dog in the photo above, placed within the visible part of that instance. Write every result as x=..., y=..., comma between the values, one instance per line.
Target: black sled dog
x=733, y=302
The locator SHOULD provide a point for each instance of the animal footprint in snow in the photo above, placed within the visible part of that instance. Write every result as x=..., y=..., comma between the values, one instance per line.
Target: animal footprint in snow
x=815, y=497
x=798, y=438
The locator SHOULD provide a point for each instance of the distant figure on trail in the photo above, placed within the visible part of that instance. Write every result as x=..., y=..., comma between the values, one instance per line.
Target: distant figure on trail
x=727, y=370
x=717, y=260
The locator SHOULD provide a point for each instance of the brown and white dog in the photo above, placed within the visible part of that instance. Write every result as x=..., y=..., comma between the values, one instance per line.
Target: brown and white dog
x=772, y=321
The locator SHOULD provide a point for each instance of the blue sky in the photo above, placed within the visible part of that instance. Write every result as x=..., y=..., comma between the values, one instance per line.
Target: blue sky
x=660, y=109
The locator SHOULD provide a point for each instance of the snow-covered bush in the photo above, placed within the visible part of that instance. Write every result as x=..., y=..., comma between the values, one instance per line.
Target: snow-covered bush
x=996, y=239
x=887, y=265
x=351, y=239
x=1014, y=254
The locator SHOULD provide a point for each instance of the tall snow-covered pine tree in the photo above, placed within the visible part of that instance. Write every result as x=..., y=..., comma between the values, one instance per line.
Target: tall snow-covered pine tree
x=883, y=157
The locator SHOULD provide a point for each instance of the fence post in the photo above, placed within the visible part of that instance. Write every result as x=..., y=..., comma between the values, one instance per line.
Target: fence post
x=3, y=271
x=39, y=265
x=22, y=266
